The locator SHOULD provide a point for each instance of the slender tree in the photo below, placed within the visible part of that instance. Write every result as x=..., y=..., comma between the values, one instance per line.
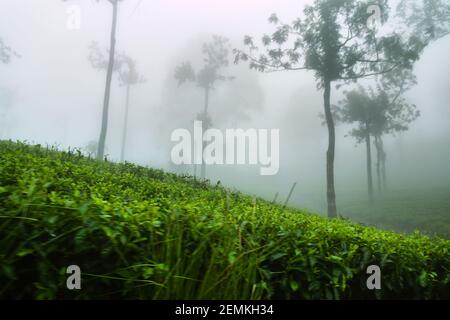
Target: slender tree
x=128, y=77
x=395, y=113
x=360, y=106
x=216, y=54
x=335, y=42
x=378, y=112
x=104, y=128
x=109, y=73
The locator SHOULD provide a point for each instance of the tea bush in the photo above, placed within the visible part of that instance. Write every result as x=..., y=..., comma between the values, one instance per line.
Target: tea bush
x=142, y=233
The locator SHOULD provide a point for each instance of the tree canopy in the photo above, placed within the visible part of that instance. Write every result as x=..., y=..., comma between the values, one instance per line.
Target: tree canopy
x=6, y=52
x=333, y=39
x=428, y=19
x=216, y=55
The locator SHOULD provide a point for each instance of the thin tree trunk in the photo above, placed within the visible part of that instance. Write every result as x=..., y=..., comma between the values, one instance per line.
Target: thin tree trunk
x=203, y=167
x=204, y=128
x=102, y=138
x=377, y=147
x=331, y=195
x=383, y=165
x=206, y=100
x=369, y=164
x=125, y=125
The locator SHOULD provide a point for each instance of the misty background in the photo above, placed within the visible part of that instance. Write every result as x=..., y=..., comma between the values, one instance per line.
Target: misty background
x=51, y=94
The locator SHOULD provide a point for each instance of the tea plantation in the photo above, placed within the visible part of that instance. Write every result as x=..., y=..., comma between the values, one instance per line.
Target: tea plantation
x=139, y=233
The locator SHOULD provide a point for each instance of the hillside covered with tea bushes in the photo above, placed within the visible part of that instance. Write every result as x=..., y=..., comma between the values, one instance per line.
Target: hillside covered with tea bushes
x=142, y=233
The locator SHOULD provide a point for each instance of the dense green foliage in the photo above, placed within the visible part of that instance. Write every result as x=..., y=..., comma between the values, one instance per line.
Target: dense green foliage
x=142, y=233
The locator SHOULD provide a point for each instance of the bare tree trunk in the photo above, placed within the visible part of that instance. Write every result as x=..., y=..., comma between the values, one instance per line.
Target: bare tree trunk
x=369, y=164
x=204, y=128
x=377, y=147
x=125, y=125
x=331, y=195
x=101, y=140
x=383, y=165
x=206, y=100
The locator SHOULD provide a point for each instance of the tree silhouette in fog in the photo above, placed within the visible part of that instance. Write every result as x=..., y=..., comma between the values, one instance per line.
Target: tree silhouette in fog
x=334, y=41
x=215, y=58
x=109, y=73
x=378, y=112
x=128, y=77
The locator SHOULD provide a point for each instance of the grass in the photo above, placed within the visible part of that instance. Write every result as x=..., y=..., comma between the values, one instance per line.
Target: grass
x=141, y=233
x=405, y=210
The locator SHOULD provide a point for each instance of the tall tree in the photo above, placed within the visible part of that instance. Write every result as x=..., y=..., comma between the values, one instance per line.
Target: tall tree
x=112, y=46
x=128, y=77
x=395, y=113
x=378, y=112
x=360, y=106
x=335, y=42
x=216, y=55
x=110, y=70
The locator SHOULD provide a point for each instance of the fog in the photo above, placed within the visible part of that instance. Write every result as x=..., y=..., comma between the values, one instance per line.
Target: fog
x=52, y=95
